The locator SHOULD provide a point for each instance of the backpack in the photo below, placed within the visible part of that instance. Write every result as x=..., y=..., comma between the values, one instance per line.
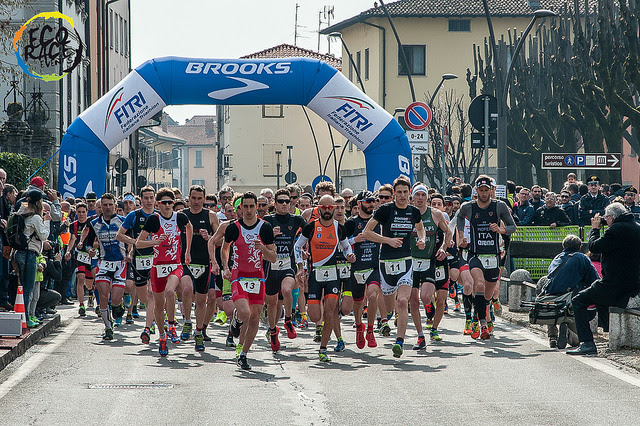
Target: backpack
x=15, y=232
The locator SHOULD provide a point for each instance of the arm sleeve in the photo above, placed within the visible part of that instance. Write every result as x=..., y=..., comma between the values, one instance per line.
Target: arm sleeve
x=462, y=213
x=152, y=224
x=344, y=241
x=56, y=211
x=41, y=227
x=231, y=233
x=505, y=216
x=297, y=248
x=266, y=233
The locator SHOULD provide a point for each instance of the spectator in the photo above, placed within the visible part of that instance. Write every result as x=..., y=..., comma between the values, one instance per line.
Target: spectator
x=593, y=202
x=536, y=200
x=571, y=178
x=570, y=270
x=50, y=196
x=524, y=211
x=630, y=195
x=568, y=206
x=7, y=200
x=465, y=192
x=550, y=215
x=620, y=250
x=574, y=190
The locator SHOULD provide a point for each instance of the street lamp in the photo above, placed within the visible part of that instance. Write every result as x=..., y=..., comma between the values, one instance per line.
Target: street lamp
x=502, y=89
x=353, y=64
x=433, y=96
x=435, y=92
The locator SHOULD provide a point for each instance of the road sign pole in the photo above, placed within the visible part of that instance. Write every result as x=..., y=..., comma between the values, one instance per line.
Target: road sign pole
x=444, y=165
x=486, y=135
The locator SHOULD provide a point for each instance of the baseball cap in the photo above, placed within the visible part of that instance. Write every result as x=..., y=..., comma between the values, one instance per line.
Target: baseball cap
x=91, y=196
x=483, y=181
x=38, y=182
x=364, y=195
x=448, y=199
x=34, y=195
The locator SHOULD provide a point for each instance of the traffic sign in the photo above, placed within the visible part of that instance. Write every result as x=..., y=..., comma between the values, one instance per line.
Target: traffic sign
x=601, y=161
x=417, y=136
x=476, y=112
x=420, y=148
x=290, y=177
x=121, y=165
x=318, y=179
x=477, y=140
x=418, y=116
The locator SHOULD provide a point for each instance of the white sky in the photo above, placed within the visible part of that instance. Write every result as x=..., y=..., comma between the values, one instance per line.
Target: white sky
x=227, y=29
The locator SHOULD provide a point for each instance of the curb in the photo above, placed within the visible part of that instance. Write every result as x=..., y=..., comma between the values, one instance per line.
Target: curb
x=30, y=340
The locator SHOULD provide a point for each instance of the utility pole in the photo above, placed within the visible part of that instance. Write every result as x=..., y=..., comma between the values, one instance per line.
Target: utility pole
x=295, y=30
x=289, y=148
x=278, y=153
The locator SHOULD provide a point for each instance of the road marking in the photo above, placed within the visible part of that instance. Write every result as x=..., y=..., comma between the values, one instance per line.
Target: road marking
x=25, y=369
x=593, y=362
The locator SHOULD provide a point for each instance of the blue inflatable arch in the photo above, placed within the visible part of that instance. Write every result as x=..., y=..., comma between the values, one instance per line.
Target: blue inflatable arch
x=182, y=81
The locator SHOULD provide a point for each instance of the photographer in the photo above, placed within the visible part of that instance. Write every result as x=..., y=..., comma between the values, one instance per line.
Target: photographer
x=620, y=250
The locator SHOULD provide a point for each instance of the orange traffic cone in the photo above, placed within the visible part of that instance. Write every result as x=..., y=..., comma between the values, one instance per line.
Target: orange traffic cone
x=18, y=307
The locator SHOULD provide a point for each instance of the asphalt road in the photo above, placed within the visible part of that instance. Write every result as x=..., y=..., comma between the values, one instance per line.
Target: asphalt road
x=72, y=376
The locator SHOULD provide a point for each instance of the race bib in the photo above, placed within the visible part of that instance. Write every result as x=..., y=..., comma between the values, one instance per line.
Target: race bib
x=326, y=273
x=440, y=275
x=108, y=265
x=344, y=270
x=144, y=263
x=197, y=270
x=250, y=285
x=395, y=266
x=281, y=263
x=164, y=270
x=83, y=257
x=489, y=261
x=362, y=276
x=421, y=265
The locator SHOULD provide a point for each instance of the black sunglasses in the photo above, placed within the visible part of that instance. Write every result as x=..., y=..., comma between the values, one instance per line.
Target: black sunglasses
x=384, y=197
x=263, y=204
x=209, y=204
x=294, y=197
x=282, y=201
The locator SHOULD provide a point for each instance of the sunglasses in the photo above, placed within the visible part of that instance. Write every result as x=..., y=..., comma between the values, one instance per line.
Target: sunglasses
x=369, y=200
x=294, y=197
x=226, y=198
x=384, y=197
x=166, y=202
x=263, y=204
x=331, y=207
x=564, y=196
x=282, y=201
x=209, y=204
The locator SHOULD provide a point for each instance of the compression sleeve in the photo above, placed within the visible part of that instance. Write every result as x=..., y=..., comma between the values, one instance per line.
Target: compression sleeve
x=297, y=248
x=463, y=212
x=505, y=216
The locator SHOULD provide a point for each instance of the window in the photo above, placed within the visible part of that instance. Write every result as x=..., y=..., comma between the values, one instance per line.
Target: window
x=459, y=25
x=198, y=158
x=111, y=28
x=197, y=182
x=69, y=98
x=350, y=67
x=272, y=111
x=226, y=163
x=121, y=36
x=126, y=39
x=176, y=158
x=366, y=64
x=416, y=57
x=270, y=159
x=350, y=146
x=115, y=30
x=358, y=62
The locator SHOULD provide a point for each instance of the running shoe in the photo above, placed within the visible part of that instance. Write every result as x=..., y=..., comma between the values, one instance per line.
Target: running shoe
x=385, y=330
x=364, y=312
x=490, y=326
x=145, y=336
x=371, y=339
x=173, y=334
x=434, y=335
x=163, y=348
x=108, y=334
x=221, y=318
x=468, y=327
x=235, y=324
x=397, y=350
x=457, y=308
x=242, y=362
x=497, y=307
x=31, y=323
x=360, y=342
x=291, y=331
x=562, y=336
x=82, y=311
x=152, y=329
x=129, y=319
x=204, y=335
x=318, y=336
x=422, y=344
x=127, y=300
x=273, y=340
x=199, y=342
x=142, y=306
x=340, y=346
x=117, y=322
x=229, y=343
x=446, y=307
x=303, y=323
x=484, y=333
x=187, y=329
x=134, y=312
x=238, y=350
x=452, y=291
x=98, y=313
x=429, y=324
x=322, y=355
x=475, y=331
x=90, y=304
x=395, y=319
x=491, y=314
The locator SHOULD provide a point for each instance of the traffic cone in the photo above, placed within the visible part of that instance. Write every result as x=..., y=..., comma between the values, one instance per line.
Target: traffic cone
x=18, y=307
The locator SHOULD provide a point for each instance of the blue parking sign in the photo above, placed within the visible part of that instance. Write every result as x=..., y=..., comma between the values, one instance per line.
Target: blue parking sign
x=580, y=160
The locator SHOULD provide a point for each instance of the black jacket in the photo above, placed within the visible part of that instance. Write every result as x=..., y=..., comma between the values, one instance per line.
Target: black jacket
x=620, y=249
x=589, y=206
x=545, y=216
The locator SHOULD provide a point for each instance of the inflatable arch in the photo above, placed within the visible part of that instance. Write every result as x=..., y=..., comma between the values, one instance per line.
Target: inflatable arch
x=181, y=81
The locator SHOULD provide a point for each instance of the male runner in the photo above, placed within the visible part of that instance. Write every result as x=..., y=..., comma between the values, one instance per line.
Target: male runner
x=84, y=278
x=281, y=277
x=484, y=216
x=345, y=303
x=397, y=220
x=165, y=229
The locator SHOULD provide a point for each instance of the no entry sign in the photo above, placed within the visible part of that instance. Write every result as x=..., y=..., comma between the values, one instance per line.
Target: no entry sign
x=417, y=116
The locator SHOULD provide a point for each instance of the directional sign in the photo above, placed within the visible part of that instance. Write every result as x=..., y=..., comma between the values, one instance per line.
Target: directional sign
x=602, y=161
x=419, y=148
x=418, y=116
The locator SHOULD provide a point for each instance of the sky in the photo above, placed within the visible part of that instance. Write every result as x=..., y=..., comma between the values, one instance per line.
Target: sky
x=228, y=29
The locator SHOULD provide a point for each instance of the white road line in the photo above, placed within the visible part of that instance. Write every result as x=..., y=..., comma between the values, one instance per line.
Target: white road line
x=593, y=362
x=25, y=369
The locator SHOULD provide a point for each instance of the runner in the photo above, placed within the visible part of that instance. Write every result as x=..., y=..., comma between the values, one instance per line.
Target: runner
x=365, y=271
x=281, y=276
x=397, y=220
x=323, y=235
x=84, y=278
x=196, y=276
x=253, y=241
x=140, y=259
x=112, y=267
x=484, y=215
x=129, y=205
x=345, y=303
x=165, y=229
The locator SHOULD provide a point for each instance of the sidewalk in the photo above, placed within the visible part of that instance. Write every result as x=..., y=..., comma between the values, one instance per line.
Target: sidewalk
x=627, y=357
x=13, y=347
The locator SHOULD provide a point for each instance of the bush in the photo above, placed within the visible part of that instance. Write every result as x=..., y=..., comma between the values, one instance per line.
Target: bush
x=19, y=167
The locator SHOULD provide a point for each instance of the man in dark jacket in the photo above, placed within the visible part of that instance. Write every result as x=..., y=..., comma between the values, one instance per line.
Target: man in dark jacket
x=569, y=207
x=550, y=215
x=593, y=202
x=620, y=250
x=524, y=211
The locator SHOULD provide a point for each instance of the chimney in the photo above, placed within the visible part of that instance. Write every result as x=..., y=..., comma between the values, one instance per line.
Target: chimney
x=165, y=119
x=210, y=127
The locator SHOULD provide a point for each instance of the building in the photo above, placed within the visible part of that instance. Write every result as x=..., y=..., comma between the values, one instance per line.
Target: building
x=255, y=139
x=160, y=156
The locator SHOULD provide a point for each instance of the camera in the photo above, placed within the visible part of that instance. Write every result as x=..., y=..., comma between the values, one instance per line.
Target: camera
x=603, y=221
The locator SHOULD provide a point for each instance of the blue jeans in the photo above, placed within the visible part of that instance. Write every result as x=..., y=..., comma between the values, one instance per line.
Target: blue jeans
x=4, y=278
x=27, y=267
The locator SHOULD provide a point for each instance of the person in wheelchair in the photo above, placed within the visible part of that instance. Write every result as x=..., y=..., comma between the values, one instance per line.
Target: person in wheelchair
x=569, y=271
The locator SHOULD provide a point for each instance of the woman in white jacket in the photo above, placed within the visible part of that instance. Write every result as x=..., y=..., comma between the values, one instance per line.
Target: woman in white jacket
x=37, y=231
